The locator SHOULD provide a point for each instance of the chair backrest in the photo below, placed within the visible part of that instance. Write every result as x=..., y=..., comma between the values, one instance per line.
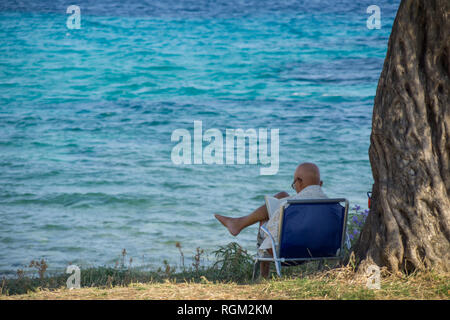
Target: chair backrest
x=313, y=228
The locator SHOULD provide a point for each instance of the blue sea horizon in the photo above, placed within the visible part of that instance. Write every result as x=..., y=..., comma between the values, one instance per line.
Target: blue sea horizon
x=86, y=118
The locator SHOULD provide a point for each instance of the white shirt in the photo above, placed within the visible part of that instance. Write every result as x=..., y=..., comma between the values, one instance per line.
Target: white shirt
x=310, y=192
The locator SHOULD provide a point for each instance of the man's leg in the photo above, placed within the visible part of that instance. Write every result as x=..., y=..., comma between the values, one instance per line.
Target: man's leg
x=265, y=268
x=235, y=225
x=264, y=265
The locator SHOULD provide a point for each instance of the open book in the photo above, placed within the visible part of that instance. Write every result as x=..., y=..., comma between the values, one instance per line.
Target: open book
x=273, y=204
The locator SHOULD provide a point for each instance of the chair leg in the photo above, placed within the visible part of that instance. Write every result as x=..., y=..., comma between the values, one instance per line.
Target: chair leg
x=278, y=267
x=320, y=266
x=256, y=268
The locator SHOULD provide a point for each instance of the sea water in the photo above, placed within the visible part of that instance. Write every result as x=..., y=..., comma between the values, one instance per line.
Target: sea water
x=86, y=118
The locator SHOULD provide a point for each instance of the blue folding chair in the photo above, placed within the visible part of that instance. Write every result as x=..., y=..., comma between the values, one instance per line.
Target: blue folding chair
x=312, y=229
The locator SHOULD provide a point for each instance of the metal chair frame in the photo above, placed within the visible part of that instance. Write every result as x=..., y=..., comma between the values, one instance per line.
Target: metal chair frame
x=276, y=249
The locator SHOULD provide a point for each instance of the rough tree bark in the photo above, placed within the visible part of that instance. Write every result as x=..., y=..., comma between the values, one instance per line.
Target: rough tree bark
x=408, y=227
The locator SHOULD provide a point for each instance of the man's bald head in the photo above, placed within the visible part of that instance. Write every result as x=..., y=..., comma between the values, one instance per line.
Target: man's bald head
x=306, y=174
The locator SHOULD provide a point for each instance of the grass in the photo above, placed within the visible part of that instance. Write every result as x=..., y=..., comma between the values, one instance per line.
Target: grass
x=331, y=284
x=228, y=278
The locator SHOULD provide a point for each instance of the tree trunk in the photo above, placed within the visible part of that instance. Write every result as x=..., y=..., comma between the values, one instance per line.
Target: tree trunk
x=408, y=227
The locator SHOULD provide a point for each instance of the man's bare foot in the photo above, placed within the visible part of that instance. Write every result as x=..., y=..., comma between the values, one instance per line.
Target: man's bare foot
x=232, y=224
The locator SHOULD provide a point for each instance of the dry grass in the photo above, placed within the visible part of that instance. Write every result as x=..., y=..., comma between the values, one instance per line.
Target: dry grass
x=340, y=283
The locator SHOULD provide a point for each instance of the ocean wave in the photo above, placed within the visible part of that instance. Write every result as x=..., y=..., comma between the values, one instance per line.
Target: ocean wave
x=91, y=199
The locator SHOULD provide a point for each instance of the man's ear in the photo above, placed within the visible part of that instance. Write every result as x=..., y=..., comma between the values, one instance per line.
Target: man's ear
x=321, y=182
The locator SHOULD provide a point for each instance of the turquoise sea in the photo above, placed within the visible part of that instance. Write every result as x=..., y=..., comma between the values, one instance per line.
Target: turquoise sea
x=86, y=117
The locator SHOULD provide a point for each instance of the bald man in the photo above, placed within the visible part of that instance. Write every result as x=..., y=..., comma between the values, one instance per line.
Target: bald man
x=307, y=185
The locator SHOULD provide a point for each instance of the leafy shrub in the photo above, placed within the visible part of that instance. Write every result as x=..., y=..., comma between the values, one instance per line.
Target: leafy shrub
x=233, y=262
x=356, y=221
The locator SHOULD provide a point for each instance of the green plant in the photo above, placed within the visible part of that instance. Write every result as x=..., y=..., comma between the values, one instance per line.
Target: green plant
x=233, y=262
x=40, y=266
x=178, y=245
x=197, y=258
